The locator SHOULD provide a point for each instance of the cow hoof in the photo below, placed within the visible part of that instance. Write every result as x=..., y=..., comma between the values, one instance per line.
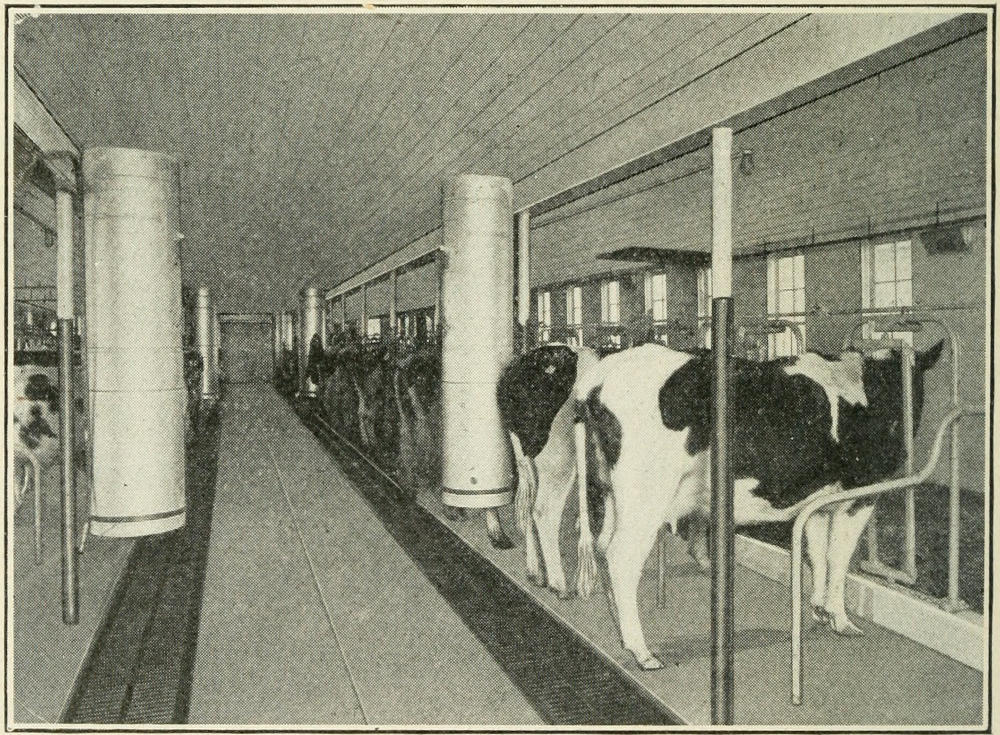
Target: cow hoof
x=501, y=541
x=820, y=615
x=536, y=579
x=564, y=594
x=454, y=514
x=649, y=663
x=845, y=628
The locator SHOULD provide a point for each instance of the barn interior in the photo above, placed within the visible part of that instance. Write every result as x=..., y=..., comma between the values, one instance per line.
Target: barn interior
x=235, y=234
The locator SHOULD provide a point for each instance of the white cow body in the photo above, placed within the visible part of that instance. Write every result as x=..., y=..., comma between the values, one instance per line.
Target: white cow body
x=657, y=478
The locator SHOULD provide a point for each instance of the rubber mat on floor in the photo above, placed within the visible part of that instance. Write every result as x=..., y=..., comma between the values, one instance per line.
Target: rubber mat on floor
x=138, y=669
x=564, y=678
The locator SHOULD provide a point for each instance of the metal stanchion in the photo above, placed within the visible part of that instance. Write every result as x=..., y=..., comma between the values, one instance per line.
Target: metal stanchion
x=722, y=544
x=64, y=314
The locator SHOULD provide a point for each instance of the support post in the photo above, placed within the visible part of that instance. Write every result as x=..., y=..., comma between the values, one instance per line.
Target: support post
x=343, y=311
x=393, y=284
x=310, y=326
x=440, y=262
x=722, y=544
x=364, y=310
x=207, y=347
x=64, y=314
x=523, y=282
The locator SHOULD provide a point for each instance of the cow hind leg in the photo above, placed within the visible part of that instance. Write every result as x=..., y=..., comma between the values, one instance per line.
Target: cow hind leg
x=817, y=541
x=547, y=514
x=845, y=530
x=603, y=541
x=494, y=529
x=630, y=546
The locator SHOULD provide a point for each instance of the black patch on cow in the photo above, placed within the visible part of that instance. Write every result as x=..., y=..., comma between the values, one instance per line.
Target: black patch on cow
x=531, y=391
x=38, y=388
x=37, y=427
x=781, y=424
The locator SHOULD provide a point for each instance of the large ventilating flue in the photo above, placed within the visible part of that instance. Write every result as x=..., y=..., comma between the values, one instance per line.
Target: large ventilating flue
x=477, y=339
x=134, y=341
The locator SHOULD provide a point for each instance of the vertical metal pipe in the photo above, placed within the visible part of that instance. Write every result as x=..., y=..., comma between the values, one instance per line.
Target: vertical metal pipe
x=796, y=570
x=343, y=311
x=364, y=309
x=207, y=348
x=909, y=500
x=954, y=497
x=64, y=314
x=722, y=543
x=393, y=286
x=310, y=327
x=440, y=260
x=523, y=276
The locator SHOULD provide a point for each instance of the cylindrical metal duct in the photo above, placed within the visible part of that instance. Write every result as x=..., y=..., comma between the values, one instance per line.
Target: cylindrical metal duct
x=476, y=295
x=312, y=306
x=135, y=341
x=207, y=347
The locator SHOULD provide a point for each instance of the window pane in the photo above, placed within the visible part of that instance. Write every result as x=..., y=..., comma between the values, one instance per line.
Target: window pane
x=885, y=294
x=903, y=260
x=800, y=300
x=786, y=272
x=883, y=261
x=800, y=271
x=786, y=302
x=904, y=293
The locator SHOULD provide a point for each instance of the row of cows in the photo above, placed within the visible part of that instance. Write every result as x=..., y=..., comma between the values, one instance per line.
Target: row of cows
x=640, y=420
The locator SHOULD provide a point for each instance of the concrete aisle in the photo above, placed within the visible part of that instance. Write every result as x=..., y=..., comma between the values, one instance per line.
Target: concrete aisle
x=312, y=613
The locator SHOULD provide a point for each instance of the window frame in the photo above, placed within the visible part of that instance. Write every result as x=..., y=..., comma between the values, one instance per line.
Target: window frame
x=780, y=345
x=870, y=284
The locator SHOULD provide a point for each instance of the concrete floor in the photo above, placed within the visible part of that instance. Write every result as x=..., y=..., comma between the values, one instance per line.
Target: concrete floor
x=880, y=679
x=312, y=613
x=47, y=654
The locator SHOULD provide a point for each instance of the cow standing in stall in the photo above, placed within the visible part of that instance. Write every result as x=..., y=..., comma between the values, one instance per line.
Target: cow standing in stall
x=799, y=426
x=537, y=400
x=416, y=387
x=35, y=441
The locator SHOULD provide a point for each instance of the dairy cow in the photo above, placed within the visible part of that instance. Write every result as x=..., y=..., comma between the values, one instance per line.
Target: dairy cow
x=799, y=426
x=536, y=400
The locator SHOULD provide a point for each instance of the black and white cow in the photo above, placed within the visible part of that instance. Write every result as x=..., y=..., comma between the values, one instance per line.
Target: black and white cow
x=799, y=426
x=34, y=410
x=536, y=400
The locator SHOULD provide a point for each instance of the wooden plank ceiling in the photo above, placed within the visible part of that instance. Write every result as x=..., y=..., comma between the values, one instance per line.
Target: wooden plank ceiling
x=313, y=144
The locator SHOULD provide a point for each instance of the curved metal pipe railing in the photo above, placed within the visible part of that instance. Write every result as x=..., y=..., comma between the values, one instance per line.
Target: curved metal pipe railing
x=907, y=319
x=822, y=499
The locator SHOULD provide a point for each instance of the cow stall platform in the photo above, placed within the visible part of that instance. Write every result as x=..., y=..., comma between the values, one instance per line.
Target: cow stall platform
x=879, y=680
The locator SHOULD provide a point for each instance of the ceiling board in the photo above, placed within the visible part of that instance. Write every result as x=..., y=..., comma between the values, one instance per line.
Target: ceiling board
x=313, y=144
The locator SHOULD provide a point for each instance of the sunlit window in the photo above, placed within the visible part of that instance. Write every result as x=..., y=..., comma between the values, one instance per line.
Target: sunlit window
x=786, y=299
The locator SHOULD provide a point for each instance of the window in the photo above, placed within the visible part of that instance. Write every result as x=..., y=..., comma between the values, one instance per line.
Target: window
x=656, y=296
x=886, y=282
x=786, y=299
x=611, y=313
x=374, y=329
x=544, y=316
x=705, y=305
x=574, y=315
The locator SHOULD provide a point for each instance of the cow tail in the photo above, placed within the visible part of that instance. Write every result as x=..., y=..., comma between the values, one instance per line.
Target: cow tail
x=527, y=485
x=586, y=562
